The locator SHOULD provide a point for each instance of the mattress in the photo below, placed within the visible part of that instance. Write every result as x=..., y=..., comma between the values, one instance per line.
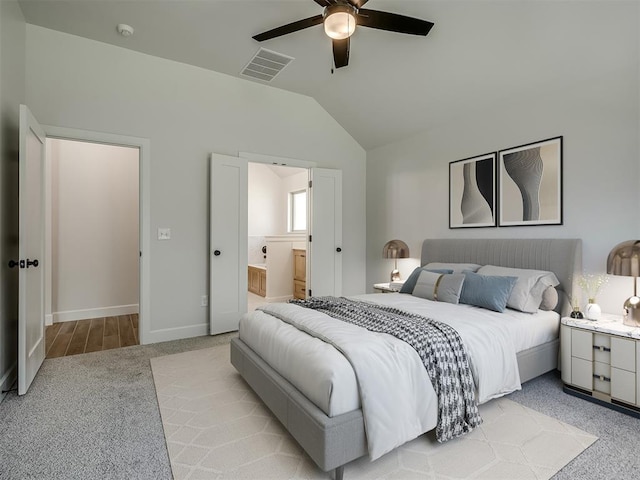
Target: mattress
x=326, y=377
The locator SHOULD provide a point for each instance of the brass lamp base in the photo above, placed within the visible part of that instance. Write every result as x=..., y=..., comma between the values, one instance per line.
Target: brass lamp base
x=631, y=316
x=395, y=275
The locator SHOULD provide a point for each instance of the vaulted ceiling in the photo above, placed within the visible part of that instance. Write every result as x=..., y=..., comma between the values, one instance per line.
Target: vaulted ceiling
x=479, y=53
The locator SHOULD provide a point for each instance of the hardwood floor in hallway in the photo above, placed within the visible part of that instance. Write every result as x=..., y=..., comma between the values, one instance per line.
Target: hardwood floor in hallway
x=92, y=335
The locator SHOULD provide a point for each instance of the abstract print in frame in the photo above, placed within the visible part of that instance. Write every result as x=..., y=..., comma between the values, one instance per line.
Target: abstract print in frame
x=472, y=192
x=530, y=179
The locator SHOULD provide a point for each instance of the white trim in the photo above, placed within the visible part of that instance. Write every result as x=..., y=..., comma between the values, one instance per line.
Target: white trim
x=177, y=333
x=48, y=319
x=8, y=379
x=73, y=315
x=144, y=145
x=278, y=299
x=273, y=160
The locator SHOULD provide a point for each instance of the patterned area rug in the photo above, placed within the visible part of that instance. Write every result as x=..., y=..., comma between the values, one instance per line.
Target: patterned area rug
x=217, y=428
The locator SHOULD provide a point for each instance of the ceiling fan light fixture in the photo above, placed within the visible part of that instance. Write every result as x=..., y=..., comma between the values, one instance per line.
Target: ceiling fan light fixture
x=339, y=21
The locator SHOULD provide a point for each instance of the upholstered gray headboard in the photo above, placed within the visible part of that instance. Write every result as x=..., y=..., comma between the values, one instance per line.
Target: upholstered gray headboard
x=562, y=256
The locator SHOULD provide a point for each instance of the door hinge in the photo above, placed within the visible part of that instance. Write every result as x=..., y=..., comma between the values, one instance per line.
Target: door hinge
x=309, y=237
x=310, y=183
x=310, y=293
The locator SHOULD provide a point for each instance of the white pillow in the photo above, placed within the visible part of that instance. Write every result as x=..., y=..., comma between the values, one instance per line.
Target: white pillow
x=549, y=299
x=455, y=267
x=527, y=293
x=439, y=287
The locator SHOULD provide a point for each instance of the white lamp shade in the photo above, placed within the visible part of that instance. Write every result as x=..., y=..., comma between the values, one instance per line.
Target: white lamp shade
x=340, y=25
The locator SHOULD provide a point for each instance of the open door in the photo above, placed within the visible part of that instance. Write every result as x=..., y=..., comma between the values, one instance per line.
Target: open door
x=228, y=243
x=31, y=339
x=325, y=229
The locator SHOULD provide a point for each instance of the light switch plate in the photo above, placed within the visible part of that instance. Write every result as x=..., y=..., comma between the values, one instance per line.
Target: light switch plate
x=164, y=234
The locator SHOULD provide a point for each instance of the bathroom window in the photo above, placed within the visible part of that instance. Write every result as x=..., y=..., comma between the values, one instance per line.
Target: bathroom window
x=298, y=211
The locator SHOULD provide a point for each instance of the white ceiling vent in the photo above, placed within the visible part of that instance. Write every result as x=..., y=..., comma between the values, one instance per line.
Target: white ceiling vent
x=266, y=64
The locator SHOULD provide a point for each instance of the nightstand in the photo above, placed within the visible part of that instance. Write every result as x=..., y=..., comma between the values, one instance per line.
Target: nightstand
x=385, y=288
x=600, y=362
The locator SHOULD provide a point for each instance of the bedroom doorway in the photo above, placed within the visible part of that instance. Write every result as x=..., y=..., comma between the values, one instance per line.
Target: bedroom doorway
x=95, y=286
x=277, y=225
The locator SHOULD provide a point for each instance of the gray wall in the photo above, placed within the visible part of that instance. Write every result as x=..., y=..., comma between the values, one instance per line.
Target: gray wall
x=12, y=94
x=408, y=183
x=187, y=112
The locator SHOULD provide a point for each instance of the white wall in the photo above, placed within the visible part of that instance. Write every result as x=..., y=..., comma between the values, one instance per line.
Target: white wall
x=407, y=182
x=264, y=202
x=187, y=112
x=12, y=94
x=95, y=240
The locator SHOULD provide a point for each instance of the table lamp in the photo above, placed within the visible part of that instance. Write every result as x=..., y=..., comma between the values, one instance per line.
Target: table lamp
x=624, y=260
x=395, y=249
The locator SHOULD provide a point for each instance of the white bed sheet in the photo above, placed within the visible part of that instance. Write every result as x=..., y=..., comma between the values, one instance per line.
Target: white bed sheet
x=326, y=377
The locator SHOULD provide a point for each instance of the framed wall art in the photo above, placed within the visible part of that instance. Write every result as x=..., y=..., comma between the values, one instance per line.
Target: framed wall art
x=472, y=192
x=530, y=184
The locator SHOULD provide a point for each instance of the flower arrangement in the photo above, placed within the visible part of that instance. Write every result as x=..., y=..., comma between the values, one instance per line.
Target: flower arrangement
x=592, y=284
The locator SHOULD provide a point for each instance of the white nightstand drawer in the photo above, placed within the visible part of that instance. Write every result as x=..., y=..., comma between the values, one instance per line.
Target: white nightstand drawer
x=623, y=385
x=582, y=344
x=623, y=354
x=582, y=373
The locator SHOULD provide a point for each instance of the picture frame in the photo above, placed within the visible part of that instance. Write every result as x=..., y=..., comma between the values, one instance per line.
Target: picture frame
x=472, y=192
x=530, y=184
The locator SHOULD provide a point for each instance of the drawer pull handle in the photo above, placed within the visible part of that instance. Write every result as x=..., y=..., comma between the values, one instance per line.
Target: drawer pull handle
x=601, y=348
x=602, y=378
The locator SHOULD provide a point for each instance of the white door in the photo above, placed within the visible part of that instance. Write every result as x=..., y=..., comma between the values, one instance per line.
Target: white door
x=31, y=341
x=325, y=228
x=228, y=243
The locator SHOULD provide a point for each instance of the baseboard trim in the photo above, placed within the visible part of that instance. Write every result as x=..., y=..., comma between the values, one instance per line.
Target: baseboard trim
x=73, y=315
x=168, y=334
x=48, y=319
x=7, y=380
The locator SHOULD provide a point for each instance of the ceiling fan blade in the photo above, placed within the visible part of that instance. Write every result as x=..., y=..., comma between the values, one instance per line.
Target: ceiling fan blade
x=357, y=3
x=325, y=3
x=393, y=22
x=289, y=28
x=341, y=52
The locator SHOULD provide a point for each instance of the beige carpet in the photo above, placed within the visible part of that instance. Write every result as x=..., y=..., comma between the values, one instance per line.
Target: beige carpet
x=216, y=427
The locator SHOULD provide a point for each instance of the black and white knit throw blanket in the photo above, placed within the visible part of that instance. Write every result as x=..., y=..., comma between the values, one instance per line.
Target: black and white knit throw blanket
x=439, y=346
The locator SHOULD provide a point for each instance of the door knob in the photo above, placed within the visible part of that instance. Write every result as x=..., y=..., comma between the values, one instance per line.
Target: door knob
x=33, y=263
x=338, y=249
x=13, y=263
x=216, y=253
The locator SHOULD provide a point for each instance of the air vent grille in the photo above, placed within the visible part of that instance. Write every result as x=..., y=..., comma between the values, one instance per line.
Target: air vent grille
x=266, y=64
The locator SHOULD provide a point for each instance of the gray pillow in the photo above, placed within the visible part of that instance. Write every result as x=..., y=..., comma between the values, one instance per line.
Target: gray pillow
x=439, y=287
x=526, y=295
x=490, y=292
x=454, y=267
x=410, y=283
x=549, y=299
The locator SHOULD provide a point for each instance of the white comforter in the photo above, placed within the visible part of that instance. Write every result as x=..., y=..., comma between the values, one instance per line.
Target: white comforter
x=398, y=400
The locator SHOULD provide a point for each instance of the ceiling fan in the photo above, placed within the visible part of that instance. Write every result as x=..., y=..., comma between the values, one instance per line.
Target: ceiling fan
x=340, y=18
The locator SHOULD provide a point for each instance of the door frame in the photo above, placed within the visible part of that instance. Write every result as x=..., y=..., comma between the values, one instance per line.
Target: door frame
x=144, y=209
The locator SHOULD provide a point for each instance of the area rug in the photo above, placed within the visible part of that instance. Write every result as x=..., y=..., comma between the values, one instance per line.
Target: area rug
x=217, y=428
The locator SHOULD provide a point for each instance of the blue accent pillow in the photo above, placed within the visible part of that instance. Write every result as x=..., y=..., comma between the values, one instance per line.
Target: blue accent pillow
x=410, y=283
x=487, y=291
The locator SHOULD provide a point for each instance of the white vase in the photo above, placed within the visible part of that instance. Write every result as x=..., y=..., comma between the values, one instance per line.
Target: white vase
x=593, y=310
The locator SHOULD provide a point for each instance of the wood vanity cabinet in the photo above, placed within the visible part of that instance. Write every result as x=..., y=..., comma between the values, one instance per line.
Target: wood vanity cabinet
x=299, y=274
x=258, y=281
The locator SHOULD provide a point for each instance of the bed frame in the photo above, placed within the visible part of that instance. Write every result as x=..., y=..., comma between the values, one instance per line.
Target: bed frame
x=333, y=442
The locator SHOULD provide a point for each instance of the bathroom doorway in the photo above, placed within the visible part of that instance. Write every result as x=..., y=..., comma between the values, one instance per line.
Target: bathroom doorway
x=277, y=225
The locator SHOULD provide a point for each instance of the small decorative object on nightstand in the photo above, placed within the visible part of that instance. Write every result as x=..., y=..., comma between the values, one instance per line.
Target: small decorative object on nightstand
x=395, y=249
x=624, y=260
x=591, y=285
x=600, y=362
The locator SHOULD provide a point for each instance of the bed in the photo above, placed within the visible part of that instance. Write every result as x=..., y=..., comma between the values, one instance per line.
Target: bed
x=333, y=434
